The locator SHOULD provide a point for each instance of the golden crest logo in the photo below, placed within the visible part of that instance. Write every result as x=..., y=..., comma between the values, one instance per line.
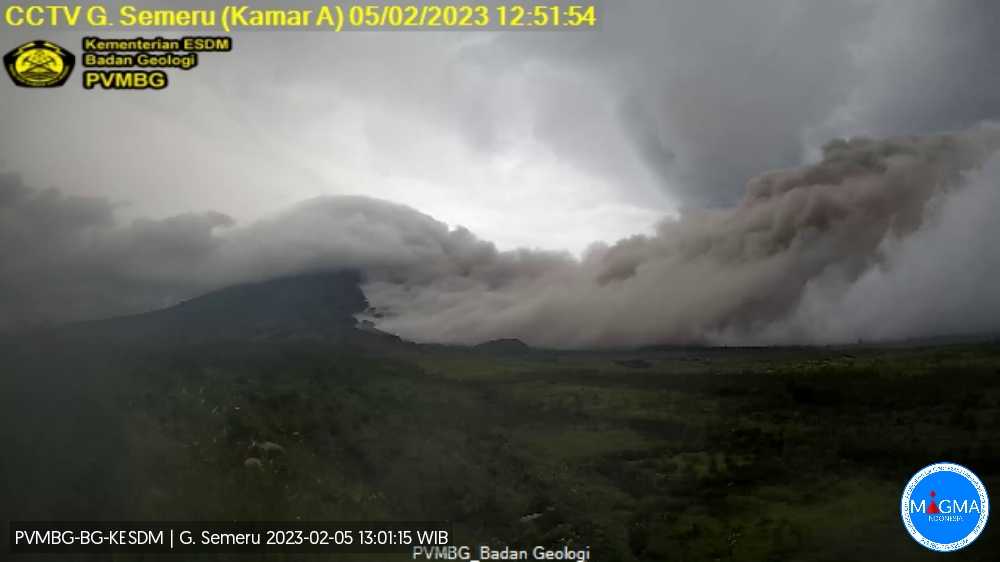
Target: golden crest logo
x=39, y=64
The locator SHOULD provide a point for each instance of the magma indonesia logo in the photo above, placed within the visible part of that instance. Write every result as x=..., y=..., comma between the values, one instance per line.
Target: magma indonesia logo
x=945, y=507
x=39, y=64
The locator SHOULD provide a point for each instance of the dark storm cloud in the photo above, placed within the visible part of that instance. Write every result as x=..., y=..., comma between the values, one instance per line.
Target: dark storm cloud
x=710, y=94
x=718, y=92
x=928, y=66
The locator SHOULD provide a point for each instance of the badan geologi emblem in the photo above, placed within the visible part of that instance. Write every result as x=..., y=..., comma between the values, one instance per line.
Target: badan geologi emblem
x=39, y=64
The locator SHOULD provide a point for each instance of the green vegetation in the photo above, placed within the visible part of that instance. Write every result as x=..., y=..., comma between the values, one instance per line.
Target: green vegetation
x=688, y=455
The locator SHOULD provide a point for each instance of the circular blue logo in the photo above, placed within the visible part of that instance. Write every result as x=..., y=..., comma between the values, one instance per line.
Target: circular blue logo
x=945, y=507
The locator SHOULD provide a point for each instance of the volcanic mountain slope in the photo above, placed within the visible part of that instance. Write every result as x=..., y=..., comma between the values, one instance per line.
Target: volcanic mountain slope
x=318, y=306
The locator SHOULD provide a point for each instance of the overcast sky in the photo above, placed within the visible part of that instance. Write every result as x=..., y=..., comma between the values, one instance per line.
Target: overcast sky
x=543, y=140
x=537, y=139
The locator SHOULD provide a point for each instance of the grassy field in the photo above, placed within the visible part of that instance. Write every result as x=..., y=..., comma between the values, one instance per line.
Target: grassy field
x=683, y=454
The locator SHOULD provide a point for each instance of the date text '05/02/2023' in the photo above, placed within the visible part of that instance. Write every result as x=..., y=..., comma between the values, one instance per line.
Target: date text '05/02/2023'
x=352, y=16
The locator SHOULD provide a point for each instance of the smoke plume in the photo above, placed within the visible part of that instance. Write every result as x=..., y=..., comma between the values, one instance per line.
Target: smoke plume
x=880, y=239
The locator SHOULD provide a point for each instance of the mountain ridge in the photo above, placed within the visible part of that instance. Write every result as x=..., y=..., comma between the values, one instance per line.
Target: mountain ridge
x=315, y=306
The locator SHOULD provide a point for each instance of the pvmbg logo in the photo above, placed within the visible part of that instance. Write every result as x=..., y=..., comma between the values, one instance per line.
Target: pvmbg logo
x=39, y=64
x=945, y=507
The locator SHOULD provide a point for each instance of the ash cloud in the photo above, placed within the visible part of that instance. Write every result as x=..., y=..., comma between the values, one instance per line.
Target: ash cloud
x=740, y=275
x=880, y=239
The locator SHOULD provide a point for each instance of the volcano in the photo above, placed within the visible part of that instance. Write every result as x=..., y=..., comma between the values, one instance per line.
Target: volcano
x=315, y=306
